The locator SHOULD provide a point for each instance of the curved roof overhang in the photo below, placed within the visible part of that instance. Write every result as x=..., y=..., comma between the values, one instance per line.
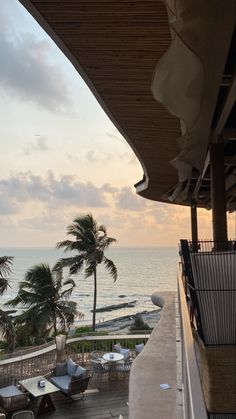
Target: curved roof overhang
x=119, y=48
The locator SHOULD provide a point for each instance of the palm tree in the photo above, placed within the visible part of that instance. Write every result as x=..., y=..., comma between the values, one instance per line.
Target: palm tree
x=90, y=242
x=6, y=323
x=45, y=296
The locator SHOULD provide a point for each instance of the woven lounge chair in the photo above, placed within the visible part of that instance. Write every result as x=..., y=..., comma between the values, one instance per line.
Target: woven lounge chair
x=12, y=398
x=23, y=414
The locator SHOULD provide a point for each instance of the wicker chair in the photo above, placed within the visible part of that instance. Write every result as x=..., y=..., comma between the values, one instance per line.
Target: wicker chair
x=97, y=355
x=100, y=368
x=124, y=368
x=23, y=414
x=68, y=382
x=12, y=398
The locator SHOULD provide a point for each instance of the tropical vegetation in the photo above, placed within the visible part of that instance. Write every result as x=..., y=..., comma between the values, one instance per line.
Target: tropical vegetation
x=45, y=295
x=139, y=324
x=90, y=241
x=6, y=323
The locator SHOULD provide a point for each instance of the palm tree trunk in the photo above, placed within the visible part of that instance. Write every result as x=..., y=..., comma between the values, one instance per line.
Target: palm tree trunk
x=55, y=323
x=14, y=344
x=94, y=296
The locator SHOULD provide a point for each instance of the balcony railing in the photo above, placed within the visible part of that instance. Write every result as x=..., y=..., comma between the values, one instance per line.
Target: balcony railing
x=193, y=400
x=43, y=360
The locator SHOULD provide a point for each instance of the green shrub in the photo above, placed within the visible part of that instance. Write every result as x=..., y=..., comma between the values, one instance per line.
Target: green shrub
x=82, y=330
x=139, y=324
x=38, y=340
x=24, y=336
x=3, y=344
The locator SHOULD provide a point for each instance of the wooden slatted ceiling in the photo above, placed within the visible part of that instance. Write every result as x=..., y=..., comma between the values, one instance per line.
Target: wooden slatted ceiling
x=118, y=44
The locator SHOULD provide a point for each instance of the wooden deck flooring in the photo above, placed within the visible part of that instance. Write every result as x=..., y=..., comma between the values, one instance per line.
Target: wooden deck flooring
x=103, y=400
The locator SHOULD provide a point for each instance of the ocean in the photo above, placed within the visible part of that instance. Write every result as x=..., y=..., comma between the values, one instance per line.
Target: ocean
x=141, y=271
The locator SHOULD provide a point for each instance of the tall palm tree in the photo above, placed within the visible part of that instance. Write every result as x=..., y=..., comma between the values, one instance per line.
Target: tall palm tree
x=6, y=323
x=90, y=242
x=45, y=296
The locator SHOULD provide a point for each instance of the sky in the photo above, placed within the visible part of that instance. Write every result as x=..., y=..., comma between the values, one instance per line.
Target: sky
x=62, y=157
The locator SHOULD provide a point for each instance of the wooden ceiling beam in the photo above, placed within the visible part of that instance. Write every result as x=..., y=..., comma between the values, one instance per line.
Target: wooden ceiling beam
x=227, y=107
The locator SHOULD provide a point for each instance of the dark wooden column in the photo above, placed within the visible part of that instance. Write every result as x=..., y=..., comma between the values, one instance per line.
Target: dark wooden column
x=218, y=198
x=194, y=229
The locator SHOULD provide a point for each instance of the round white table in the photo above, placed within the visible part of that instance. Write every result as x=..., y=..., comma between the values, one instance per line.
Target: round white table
x=113, y=358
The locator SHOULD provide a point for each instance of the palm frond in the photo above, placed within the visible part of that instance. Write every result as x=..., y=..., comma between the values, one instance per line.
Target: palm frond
x=105, y=242
x=38, y=317
x=74, y=263
x=5, y=271
x=89, y=270
x=7, y=327
x=85, y=222
x=110, y=267
x=69, y=281
x=67, y=312
x=38, y=276
x=5, y=265
x=14, y=302
x=4, y=284
x=67, y=245
x=57, y=276
x=68, y=291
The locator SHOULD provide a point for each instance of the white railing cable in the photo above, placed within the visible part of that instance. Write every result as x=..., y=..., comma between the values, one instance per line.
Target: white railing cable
x=193, y=400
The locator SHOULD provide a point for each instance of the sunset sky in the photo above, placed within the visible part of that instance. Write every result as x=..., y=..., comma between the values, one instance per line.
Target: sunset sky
x=60, y=154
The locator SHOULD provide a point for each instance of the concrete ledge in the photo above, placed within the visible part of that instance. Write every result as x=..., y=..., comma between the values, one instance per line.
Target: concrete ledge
x=155, y=365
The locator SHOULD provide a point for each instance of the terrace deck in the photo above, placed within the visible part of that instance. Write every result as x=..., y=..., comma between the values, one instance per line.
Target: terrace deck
x=103, y=400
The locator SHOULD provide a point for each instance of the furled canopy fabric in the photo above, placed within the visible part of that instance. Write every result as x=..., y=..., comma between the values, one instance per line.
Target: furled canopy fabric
x=188, y=76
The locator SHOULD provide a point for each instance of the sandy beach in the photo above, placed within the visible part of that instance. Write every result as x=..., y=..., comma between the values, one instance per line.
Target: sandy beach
x=122, y=324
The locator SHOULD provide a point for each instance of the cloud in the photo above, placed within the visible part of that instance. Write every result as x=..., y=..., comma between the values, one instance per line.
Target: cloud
x=115, y=135
x=103, y=157
x=126, y=199
x=26, y=71
x=109, y=188
x=39, y=144
x=115, y=220
x=48, y=222
x=73, y=158
x=90, y=156
x=64, y=191
x=7, y=206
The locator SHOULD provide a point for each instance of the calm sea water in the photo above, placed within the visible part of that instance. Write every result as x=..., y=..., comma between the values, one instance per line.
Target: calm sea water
x=141, y=271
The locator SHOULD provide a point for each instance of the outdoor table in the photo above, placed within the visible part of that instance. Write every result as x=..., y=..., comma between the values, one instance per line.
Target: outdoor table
x=31, y=385
x=113, y=358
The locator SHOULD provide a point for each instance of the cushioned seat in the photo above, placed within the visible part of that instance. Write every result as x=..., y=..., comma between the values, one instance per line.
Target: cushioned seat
x=62, y=382
x=139, y=348
x=23, y=414
x=10, y=391
x=126, y=353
